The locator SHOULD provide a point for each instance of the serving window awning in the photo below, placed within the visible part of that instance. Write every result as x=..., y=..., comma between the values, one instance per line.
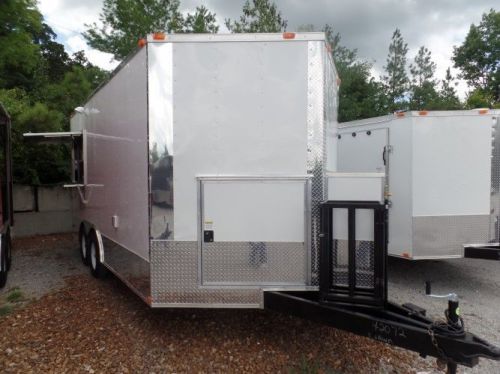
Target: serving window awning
x=53, y=137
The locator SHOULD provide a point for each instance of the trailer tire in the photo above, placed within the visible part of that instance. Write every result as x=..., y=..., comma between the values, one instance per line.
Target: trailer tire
x=97, y=269
x=83, y=244
x=3, y=264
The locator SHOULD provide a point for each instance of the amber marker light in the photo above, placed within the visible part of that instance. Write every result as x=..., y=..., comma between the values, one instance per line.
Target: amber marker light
x=288, y=35
x=159, y=36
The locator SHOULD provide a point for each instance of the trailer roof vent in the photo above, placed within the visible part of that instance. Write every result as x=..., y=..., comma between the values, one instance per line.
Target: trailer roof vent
x=288, y=35
x=159, y=36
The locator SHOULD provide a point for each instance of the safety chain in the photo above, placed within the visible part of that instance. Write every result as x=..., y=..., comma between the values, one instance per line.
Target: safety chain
x=430, y=330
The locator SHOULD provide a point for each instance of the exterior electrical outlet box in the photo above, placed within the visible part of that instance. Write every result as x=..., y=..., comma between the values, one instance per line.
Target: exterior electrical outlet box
x=442, y=176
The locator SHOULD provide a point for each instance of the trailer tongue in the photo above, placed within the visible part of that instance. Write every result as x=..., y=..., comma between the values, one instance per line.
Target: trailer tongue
x=364, y=309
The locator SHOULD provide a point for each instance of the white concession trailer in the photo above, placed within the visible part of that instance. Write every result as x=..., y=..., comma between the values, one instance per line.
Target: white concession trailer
x=200, y=165
x=442, y=177
x=207, y=173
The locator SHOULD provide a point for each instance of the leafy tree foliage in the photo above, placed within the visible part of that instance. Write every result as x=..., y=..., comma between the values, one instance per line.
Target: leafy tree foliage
x=359, y=94
x=19, y=56
x=479, y=55
x=258, y=16
x=202, y=21
x=396, y=79
x=478, y=98
x=125, y=21
x=40, y=85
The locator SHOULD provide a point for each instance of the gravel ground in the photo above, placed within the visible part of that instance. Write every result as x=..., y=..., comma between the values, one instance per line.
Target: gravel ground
x=477, y=284
x=67, y=321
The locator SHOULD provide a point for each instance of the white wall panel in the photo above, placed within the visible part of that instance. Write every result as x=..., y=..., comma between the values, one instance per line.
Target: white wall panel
x=239, y=109
x=255, y=211
x=451, y=165
x=117, y=157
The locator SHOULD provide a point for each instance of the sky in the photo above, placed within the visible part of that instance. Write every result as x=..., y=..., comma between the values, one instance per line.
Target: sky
x=366, y=25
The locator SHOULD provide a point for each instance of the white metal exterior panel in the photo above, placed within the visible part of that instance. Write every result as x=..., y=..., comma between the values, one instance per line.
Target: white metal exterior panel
x=239, y=109
x=116, y=124
x=356, y=186
x=400, y=185
x=451, y=165
x=364, y=152
x=255, y=211
x=360, y=150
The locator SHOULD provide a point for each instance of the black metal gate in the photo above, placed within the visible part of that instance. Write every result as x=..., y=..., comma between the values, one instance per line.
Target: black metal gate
x=353, y=253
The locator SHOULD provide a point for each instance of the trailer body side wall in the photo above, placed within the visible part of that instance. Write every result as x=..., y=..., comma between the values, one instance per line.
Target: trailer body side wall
x=116, y=161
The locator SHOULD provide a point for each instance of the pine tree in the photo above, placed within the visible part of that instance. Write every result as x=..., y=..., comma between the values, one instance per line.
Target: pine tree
x=396, y=81
x=423, y=86
x=202, y=21
x=448, y=95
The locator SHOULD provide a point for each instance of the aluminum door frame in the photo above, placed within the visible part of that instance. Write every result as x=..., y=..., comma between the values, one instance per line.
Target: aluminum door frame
x=307, y=229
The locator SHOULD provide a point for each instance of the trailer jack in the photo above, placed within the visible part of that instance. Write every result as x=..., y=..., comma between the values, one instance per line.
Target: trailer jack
x=347, y=302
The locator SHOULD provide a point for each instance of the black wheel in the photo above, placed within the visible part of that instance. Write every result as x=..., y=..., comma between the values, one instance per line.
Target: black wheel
x=83, y=245
x=9, y=251
x=3, y=265
x=96, y=267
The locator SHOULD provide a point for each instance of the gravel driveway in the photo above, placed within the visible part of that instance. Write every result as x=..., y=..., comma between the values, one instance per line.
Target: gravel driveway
x=67, y=321
x=477, y=284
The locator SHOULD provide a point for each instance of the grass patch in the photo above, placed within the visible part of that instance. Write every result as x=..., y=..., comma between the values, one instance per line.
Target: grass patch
x=15, y=295
x=5, y=309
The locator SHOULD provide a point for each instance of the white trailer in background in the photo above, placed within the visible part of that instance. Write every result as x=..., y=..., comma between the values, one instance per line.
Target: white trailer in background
x=442, y=177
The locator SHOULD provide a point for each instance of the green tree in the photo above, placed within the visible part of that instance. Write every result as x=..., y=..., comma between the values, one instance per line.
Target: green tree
x=34, y=164
x=479, y=55
x=448, y=98
x=396, y=79
x=478, y=98
x=423, y=94
x=258, y=16
x=19, y=56
x=125, y=21
x=359, y=93
x=202, y=21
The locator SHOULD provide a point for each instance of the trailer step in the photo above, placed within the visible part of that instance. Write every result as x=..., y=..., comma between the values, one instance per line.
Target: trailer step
x=489, y=251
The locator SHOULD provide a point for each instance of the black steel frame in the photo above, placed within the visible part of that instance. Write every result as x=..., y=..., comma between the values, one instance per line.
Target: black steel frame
x=352, y=293
x=485, y=252
x=372, y=315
